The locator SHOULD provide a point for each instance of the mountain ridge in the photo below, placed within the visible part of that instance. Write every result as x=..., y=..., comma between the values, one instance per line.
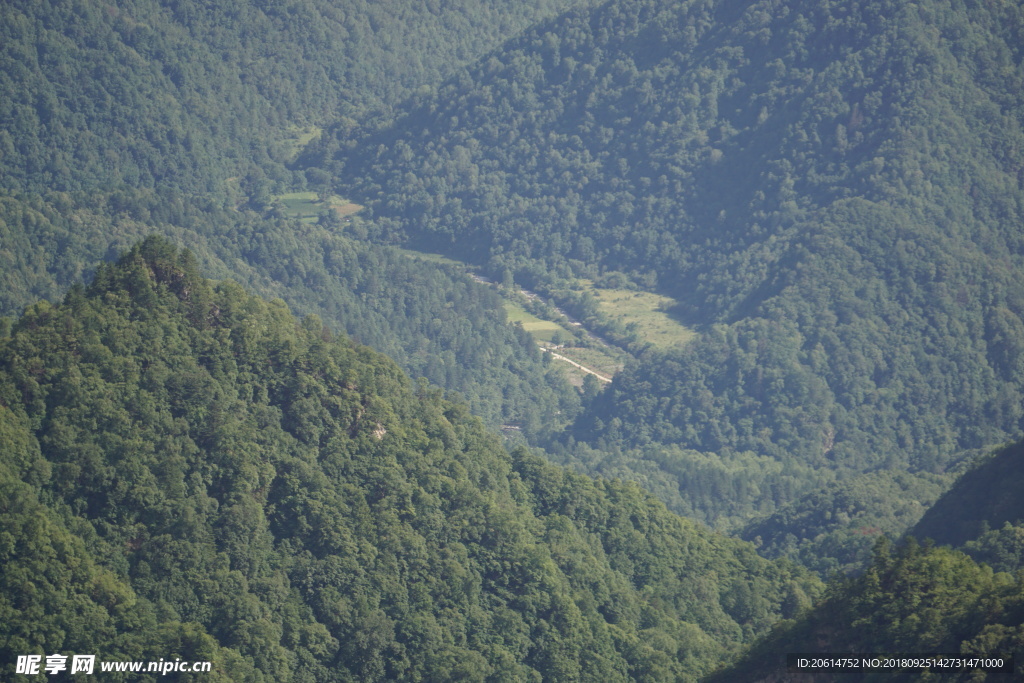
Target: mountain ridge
x=222, y=473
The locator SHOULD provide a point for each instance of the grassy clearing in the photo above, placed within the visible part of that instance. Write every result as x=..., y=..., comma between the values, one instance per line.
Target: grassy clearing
x=308, y=206
x=541, y=330
x=344, y=208
x=605, y=361
x=598, y=360
x=304, y=206
x=646, y=311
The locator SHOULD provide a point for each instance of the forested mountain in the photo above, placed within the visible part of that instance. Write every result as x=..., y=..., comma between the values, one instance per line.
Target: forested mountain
x=125, y=119
x=834, y=528
x=961, y=598
x=436, y=323
x=832, y=195
x=831, y=192
x=190, y=471
x=185, y=94
x=913, y=600
x=984, y=499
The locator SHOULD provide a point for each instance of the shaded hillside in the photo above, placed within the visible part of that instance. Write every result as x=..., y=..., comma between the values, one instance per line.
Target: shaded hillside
x=833, y=529
x=911, y=600
x=920, y=598
x=915, y=598
x=986, y=497
x=833, y=191
x=620, y=137
x=193, y=472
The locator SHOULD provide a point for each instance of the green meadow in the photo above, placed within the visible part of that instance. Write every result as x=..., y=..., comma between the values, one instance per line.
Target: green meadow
x=541, y=330
x=308, y=206
x=646, y=311
x=603, y=360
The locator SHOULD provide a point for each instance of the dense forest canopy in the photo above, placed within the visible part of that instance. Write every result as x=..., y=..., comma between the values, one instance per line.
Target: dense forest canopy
x=911, y=599
x=984, y=498
x=180, y=118
x=435, y=322
x=831, y=192
x=186, y=94
x=829, y=196
x=218, y=479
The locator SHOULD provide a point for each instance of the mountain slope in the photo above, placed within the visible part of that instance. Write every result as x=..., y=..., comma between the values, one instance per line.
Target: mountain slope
x=219, y=472
x=919, y=598
x=635, y=125
x=832, y=193
x=187, y=94
x=913, y=600
x=137, y=117
x=985, y=497
x=436, y=323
